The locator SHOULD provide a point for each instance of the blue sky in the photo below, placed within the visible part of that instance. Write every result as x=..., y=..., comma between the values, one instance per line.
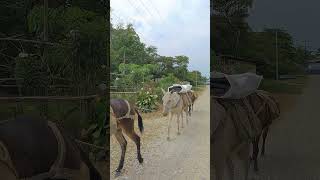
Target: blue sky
x=175, y=27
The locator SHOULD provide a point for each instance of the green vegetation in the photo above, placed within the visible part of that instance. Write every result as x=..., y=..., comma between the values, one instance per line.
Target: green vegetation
x=135, y=65
x=71, y=63
x=233, y=36
x=147, y=101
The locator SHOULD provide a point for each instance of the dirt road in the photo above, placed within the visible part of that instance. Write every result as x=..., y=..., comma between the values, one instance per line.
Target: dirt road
x=184, y=157
x=292, y=149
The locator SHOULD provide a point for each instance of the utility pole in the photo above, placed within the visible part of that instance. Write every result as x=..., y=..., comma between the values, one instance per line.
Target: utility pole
x=45, y=49
x=45, y=29
x=196, y=79
x=277, y=60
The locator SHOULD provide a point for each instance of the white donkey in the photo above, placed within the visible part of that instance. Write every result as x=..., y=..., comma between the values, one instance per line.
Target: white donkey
x=175, y=104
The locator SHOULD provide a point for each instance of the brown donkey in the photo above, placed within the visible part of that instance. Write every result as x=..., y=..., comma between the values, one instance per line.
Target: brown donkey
x=35, y=149
x=122, y=120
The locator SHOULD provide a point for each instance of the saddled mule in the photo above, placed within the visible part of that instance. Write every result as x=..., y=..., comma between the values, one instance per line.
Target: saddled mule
x=227, y=141
x=35, y=149
x=175, y=103
x=122, y=121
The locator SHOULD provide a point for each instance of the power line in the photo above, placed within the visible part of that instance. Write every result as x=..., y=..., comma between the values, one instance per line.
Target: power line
x=141, y=2
x=155, y=9
x=135, y=7
x=138, y=11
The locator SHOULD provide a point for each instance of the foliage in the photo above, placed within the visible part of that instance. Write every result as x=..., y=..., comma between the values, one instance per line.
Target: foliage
x=83, y=37
x=233, y=36
x=136, y=64
x=79, y=31
x=33, y=71
x=134, y=75
x=97, y=129
x=146, y=101
x=262, y=44
x=168, y=81
x=229, y=25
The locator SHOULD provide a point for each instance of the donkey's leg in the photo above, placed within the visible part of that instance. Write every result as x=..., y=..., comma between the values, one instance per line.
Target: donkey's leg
x=182, y=120
x=169, y=126
x=178, y=119
x=244, y=155
x=129, y=130
x=255, y=145
x=187, y=116
x=264, y=136
x=123, y=143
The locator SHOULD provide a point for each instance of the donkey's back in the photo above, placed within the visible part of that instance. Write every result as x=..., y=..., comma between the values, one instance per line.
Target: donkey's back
x=120, y=107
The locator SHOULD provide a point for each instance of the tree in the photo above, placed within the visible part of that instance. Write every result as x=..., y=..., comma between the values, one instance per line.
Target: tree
x=228, y=24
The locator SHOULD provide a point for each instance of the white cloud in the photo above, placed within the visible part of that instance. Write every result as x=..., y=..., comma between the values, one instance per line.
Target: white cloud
x=175, y=27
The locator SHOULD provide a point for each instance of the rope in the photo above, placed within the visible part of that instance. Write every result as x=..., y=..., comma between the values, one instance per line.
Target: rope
x=91, y=145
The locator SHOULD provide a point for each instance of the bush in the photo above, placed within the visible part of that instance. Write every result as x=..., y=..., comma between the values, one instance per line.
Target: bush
x=146, y=101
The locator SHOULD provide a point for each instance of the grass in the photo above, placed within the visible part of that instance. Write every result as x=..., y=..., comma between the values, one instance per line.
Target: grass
x=291, y=86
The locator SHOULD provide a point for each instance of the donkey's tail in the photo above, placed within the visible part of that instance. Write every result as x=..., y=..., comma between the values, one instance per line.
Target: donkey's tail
x=140, y=123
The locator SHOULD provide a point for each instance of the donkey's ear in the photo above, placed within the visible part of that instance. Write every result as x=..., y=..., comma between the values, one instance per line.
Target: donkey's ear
x=163, y=91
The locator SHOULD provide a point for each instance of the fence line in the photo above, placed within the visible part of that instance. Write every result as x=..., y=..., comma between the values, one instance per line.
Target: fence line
x=123, y=92
x=47, y=98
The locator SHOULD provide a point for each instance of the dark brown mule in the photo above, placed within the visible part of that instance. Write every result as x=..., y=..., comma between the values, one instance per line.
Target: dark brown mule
x=36, y=148
x=122, y=120
x=264, y=106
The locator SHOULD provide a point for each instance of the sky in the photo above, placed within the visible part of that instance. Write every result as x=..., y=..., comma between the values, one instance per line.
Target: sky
x=175, y=27
x=300, y=18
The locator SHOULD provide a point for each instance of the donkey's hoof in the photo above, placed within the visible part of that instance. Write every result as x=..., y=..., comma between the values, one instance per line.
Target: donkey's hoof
x=118, y=173
x=140, y=160
x=178, y=133
x=168, y=139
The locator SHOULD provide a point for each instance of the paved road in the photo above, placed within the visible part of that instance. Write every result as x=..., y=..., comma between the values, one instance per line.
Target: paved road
x=293, y=147
x=185, y=157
